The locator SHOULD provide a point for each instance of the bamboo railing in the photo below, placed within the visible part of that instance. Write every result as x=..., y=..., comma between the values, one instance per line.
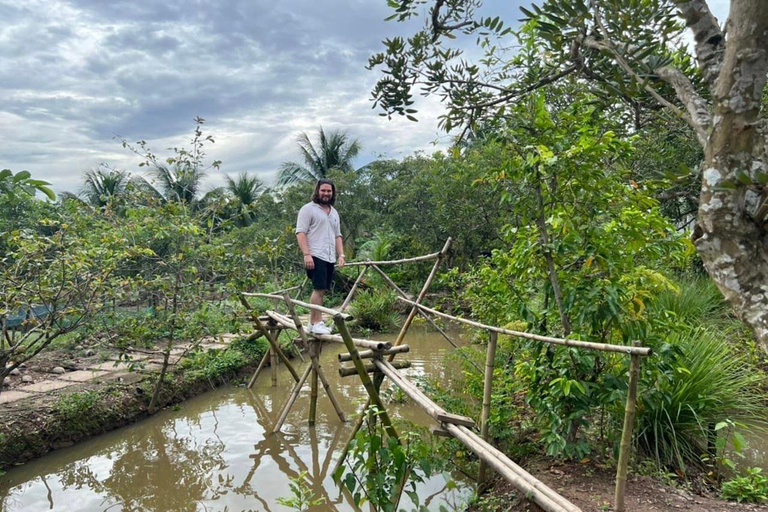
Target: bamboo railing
x=451, y=425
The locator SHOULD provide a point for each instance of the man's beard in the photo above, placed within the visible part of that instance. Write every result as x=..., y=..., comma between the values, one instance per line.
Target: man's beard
x=324, y=199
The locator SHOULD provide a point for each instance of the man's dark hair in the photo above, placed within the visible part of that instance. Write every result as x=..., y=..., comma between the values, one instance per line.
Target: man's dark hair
x=316, y=193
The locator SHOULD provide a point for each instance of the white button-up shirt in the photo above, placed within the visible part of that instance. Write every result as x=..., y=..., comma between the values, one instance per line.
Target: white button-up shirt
x=321, y=229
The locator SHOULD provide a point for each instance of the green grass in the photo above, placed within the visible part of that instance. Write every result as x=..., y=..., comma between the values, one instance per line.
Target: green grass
x=697, y=381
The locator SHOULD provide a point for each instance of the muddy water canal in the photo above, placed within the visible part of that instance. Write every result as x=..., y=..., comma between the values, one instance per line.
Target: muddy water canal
x=216, y=452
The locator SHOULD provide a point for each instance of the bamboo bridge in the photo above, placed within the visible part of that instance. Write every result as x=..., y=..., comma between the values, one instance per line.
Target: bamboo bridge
x=370, y=357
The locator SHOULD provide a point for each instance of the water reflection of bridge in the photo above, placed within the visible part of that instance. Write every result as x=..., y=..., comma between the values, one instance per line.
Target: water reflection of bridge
x=270, y=447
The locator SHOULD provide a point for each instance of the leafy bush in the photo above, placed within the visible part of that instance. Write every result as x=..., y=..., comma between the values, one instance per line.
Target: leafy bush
x=696, y=381
x=375, y=310
x=76, y=404
x=213, y=363
x=752, y=487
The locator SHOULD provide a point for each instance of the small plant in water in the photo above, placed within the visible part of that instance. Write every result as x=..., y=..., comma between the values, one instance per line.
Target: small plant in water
x=302, y=496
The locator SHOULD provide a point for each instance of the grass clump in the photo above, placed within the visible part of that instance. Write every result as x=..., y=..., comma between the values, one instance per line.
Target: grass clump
x=699, y=381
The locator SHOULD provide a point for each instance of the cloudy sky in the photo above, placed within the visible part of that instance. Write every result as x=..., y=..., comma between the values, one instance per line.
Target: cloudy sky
x=76, y=73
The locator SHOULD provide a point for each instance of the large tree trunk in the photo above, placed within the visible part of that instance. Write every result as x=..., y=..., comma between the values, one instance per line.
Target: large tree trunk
x=731, y=235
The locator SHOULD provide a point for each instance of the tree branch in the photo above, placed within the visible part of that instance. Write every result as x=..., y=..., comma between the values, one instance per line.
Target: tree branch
x=439, y=26
x=605, y=45
x=696, y=105
x=710, y=43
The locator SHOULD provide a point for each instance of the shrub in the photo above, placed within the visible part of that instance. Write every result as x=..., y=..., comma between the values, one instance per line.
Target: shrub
x=76, y=404
x=213, y=363
x=375, y=310
x=697, y=381
x=752, y=487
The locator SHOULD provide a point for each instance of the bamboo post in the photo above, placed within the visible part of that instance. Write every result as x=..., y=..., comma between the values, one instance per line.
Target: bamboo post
x=258, y=369
x=352, y=290
x=291, y=400
x=271, y=338
x=372, y=393
x=626, y=432
x=314, y=353
x=273, y=363
x=490, y=358
x=296, y=322
x=423, y=293
x=328, y=390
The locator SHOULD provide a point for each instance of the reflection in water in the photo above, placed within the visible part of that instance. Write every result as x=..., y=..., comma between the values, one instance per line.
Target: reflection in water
x=216, y=454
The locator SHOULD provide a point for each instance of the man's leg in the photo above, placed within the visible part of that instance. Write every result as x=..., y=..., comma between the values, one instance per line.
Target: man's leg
x=315, y=316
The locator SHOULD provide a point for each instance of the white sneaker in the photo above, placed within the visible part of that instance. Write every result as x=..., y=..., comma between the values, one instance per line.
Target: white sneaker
x=319, y=328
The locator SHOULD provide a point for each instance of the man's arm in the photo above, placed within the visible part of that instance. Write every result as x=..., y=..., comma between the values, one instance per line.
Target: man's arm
x=340, y=251
x=309, y=263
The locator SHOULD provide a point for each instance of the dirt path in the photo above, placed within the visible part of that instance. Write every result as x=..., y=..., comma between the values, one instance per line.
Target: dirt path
x=83, y=371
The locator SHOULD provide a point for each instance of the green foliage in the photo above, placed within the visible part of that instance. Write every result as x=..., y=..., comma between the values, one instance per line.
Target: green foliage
x=22, y=182
x=752, y=487
x=378, y=467
x=695, y=299
x=696, y=382
x=74, y=405
x=302, y=497
x=212, y=364
x=375, y=310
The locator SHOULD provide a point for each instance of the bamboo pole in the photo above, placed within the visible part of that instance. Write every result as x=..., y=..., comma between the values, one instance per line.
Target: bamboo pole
x=474, y=442
x=435, y=411
x=346, y=316
x=291, y=400
x=372, y=393
x=370, y=354
x=315, y=361
x=626, y=432
x=541, y=498
x=372, y=368
x=328, y=390
x=426, y=257
x=258, y=369
x=348, y=299
x=296, y=323
x=423, y=292
x=604, y=347
x=273, y=364
x=490, y=358
x=270, y=338
x=314, y=353
x=270, y=334
x=424, y=315
x=359, y=342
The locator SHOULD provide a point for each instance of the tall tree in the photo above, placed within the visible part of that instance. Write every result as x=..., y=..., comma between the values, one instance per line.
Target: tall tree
x=103, y=184
x=624, y=50
x=245, y=190
x=334, y=150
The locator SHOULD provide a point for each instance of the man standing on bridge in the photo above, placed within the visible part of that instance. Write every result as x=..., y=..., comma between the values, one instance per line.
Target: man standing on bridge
x=318, y=231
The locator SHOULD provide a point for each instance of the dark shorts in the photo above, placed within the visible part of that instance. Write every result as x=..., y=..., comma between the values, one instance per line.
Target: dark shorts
x=321, y=275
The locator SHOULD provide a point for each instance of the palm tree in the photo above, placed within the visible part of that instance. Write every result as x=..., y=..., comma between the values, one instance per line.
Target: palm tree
x=244, y=190
x=179, y=183
x=333, y=151
x=102, y=185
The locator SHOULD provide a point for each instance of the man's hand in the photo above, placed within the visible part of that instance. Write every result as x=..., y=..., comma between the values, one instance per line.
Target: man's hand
x=342, y=261
x=309, y=263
